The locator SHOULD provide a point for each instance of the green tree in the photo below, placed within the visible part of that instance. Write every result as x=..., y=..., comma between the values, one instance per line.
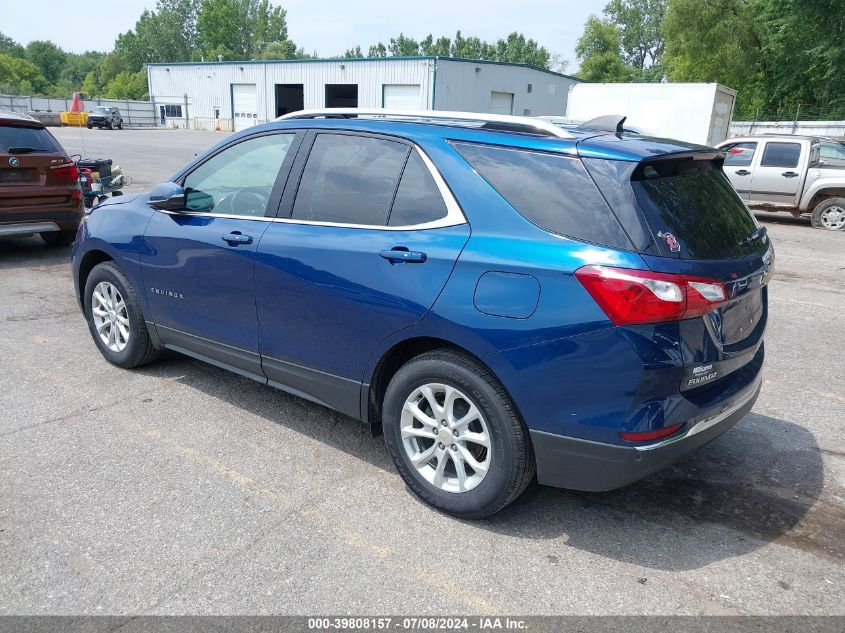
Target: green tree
x=440, y=46
x=718, y=41
x=403, y=46
x=239, y=28
x=281, y=50
x=377, y=50
x=599, y=51
x=353, y=53
x=8, y=46
x=90, y=85
x=803, y=58
x=19, y=76
x=127, y=85
x=642, y=39
x=48, y=57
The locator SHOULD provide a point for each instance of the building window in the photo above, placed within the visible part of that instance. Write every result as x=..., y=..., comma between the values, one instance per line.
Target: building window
x=172, y=111
x=530, y=88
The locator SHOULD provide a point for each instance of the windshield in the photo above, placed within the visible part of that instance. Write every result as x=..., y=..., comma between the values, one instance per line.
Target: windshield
x=101, y=110
x=693, y=211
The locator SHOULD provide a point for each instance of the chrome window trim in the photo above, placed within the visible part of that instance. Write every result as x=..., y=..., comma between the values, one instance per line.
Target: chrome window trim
x=454, y=215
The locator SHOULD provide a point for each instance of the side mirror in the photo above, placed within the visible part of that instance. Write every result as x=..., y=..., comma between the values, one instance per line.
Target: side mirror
x=168, y=196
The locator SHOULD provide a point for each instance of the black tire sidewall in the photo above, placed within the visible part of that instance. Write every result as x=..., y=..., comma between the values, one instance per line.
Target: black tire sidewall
x=493, y=491
x=109, y=272
x=816, y=217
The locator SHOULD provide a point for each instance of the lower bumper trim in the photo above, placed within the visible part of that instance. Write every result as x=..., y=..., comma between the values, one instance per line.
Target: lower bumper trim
x=28, y=228
x=577, y=464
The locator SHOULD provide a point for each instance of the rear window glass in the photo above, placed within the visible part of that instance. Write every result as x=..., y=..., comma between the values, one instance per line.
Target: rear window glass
x=21, y=139
x=740, y=155
x=693, y=211
x=552, y=191
x=781, y=155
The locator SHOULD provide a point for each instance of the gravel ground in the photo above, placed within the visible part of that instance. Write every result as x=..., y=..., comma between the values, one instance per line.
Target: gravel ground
x=183, y=489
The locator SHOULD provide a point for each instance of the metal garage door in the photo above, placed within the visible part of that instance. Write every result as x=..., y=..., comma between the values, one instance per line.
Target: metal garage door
x=244, y=106
x=402, y=97
x=501, y=103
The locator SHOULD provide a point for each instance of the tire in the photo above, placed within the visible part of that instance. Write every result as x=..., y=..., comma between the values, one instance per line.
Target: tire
x=59, y=238
x=507, y=460
x=120, y=125
x=829, y=214
x=138, y=348
x=90, y=126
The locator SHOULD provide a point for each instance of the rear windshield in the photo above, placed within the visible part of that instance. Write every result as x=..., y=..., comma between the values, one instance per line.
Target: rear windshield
x=20, y=140
x=693, y=211
x=551, y=190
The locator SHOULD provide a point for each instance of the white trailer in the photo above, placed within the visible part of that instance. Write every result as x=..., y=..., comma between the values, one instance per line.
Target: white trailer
x=696, y=113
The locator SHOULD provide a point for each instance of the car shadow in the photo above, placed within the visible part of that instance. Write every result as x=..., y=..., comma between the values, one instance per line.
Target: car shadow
x=759, y=483
x=26, y=252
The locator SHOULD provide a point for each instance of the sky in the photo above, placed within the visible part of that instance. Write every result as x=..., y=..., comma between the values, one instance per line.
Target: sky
x=331, y=26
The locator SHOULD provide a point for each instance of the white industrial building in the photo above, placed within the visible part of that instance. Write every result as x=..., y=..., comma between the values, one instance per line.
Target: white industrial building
x=236, y=95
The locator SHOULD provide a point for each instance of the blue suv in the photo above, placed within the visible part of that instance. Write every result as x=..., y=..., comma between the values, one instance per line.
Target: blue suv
x=502, y=297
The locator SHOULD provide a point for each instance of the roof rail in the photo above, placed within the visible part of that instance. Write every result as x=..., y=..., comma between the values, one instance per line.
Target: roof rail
x=500, y=122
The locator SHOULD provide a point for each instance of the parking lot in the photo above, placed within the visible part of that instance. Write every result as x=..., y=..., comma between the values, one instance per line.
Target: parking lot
x=181, y=488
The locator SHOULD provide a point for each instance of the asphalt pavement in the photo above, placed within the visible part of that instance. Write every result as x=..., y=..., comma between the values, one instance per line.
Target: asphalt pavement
x=180, y=488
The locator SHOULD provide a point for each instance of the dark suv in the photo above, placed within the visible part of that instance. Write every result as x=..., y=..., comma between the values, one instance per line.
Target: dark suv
x=103, y=117
x=496, y=294
x=39, y=187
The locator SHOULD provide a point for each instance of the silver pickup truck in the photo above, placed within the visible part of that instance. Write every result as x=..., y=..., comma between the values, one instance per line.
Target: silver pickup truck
x=799, y=174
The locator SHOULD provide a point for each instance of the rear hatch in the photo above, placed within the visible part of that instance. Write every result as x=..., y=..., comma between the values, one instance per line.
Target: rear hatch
x=686, y=219
x=35, y=172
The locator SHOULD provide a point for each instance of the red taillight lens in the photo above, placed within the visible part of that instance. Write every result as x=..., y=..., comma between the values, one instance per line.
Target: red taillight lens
x=645, y=436
x=630, y=297
x=66, y=171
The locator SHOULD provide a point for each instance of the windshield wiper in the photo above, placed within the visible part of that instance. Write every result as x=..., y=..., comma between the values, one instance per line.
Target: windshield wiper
x=753, y=237
x=24, y=150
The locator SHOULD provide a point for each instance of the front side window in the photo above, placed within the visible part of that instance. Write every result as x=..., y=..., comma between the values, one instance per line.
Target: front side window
x=740, y=154
x=349, y=180
x=835, y=151
x=781, y=154
x=240, y=179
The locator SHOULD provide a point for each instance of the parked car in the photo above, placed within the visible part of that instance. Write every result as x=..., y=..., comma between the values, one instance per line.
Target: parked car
x=498, y=295
x=798, y=174
x=39, y=189
x=103, y=117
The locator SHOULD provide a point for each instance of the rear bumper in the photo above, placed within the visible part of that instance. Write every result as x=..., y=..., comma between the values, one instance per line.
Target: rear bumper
x=578, y=464
x=27, y=228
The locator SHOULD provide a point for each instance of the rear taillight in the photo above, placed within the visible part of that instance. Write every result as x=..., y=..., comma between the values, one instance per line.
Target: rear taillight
x=630, y=296
x=66, y=171
x=646, y=436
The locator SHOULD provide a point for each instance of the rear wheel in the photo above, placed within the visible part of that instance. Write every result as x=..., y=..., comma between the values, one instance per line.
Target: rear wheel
x=115, y=319
x=829, y=214
x=109, y=125
x=120, y=125
x=455, y=436
x=59, y=238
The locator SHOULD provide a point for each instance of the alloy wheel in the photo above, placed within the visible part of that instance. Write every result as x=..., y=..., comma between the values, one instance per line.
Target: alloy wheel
x=833, y=218
x=111, y=318
x=445, y=437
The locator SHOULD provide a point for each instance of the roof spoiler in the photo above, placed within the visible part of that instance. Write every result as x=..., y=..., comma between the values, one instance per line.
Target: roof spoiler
x=609, y=123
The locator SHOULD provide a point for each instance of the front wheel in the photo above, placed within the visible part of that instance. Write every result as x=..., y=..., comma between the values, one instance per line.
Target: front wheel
x=115, y=319
x=120, y=125
x=829, y=214
x=455, y=436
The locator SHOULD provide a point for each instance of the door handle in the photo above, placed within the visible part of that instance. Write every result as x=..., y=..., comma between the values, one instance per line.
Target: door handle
x=742, y=172
x=790, y=174
x=400, y=254
x=234, y=238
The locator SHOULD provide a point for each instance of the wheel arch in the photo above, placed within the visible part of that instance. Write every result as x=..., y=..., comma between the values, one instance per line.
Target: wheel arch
x=396, y=356
x=821, y=192
x=87, y=263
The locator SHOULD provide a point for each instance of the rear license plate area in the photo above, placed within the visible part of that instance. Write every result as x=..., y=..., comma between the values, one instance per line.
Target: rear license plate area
x=17, y=176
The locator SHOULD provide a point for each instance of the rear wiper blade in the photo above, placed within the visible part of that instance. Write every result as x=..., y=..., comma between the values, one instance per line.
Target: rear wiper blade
x=24, y=150
x=753, y=237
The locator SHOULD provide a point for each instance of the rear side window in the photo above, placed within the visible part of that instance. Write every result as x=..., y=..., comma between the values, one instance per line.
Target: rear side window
x=26, y=139
x=693, y=211
x=349, y=180
x=740, y=154
x=552, y=191
x=781, y=154
x=418, y=199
